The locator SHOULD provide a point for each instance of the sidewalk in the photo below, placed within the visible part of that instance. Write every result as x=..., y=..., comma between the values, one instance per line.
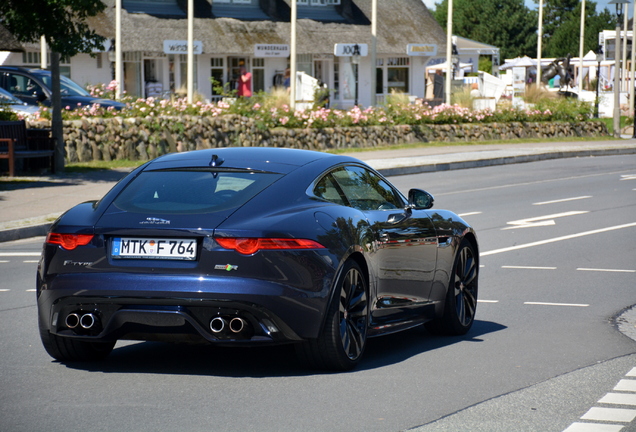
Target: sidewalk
x=28, y=205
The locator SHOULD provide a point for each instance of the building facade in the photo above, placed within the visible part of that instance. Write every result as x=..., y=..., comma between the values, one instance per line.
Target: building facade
x=255, y=34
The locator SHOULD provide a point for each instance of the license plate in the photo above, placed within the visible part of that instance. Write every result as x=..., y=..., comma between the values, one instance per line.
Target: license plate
x=154, y=248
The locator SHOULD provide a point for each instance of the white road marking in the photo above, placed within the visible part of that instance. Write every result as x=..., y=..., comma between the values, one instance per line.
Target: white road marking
x=593, y=427
x=469, y=214
x=4, y=290
x=610, y=414
x=619, y=399
x=631, y=373
x=562, y=200
x=607, y=270
x=30, y=261
x=31, y=290
x=541, y=220
x=20, y=254
x=528, y=267
x=626, y=385
x=557, y=239
x=487, y=301
x=628, y=177
x=4, y=261
x=556, y=304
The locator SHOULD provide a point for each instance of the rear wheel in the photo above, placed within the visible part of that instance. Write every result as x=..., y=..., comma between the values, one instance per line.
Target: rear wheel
x=461, y=296
x=344, y=337
x=73, y=350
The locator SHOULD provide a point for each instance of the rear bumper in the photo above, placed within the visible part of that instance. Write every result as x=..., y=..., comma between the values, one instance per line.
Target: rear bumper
x=161, y=307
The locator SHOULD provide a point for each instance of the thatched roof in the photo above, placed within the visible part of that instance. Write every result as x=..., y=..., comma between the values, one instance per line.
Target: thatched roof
x=8, y=42
x=400, y=22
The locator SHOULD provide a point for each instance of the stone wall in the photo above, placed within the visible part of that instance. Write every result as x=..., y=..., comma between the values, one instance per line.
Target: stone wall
x=147, y=138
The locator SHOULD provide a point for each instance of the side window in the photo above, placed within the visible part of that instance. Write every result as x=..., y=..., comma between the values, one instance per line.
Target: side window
x=365, y=190
x=22, y=86
x=328, y=190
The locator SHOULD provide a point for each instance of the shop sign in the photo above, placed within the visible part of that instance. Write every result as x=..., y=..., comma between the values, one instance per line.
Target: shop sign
x=271, y=50
x=347, y=50
x=421, y=50
x=181, y=47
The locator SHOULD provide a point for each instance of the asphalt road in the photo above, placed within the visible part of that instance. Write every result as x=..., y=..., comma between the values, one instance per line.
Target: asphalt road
x=559, y=263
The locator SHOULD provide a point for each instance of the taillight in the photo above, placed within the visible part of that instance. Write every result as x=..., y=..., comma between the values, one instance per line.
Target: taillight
x=69, y=241
x=249, y=246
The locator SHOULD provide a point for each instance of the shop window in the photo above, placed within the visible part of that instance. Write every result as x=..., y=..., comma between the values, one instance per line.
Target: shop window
x=258, y=74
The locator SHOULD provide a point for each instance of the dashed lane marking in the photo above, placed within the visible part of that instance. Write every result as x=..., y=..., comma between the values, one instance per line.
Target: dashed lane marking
x=606, y=270
x=556, y=304
x=622, y=415
x=612, y=414
x=528, y=268
x=20, y=254
x=4, y=290
x=593, y=427
x=562, y=200
x=487, y=301
x=469, y=214
x=557, y=239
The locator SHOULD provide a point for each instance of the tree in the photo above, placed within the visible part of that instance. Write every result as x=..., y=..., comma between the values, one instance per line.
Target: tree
x=63, y=25
x=562, y=26
x=506, y=24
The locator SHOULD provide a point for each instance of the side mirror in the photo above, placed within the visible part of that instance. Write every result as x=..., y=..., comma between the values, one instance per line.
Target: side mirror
x=41, y=97
x=420, y=200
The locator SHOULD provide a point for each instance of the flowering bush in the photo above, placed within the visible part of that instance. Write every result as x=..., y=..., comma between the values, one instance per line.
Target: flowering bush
x=268, y=113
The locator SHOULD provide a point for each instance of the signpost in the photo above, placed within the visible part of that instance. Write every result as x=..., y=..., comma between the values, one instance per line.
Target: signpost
x=271, y=50
x=181, y=47
x=347, y=50
x=428, y=50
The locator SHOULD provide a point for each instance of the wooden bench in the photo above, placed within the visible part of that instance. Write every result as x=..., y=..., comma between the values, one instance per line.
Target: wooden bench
x=18, y=142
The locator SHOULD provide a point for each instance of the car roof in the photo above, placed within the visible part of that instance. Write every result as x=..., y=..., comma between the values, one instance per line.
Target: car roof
x=256, y=158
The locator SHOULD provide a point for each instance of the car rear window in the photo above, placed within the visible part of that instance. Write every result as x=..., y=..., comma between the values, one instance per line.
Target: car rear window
x=192, y=191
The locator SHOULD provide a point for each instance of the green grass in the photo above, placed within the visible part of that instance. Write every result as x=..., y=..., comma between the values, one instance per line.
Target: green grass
x=472, y=143
x=82, y=167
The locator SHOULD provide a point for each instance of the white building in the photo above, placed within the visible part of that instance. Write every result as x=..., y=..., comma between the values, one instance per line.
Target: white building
x=231, y=33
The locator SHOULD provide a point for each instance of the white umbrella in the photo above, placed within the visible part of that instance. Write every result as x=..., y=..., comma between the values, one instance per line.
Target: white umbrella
x=443, y=66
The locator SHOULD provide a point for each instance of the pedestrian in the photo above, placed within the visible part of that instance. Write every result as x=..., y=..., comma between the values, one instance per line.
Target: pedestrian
x=244, y=83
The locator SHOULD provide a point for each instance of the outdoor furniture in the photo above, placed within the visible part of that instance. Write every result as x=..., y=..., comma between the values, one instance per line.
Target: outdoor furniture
x=18, y=142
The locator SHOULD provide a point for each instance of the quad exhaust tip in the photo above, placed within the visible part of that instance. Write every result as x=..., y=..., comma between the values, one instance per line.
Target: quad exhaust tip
x=224, y=325
x=217, y=324
x=86, y=321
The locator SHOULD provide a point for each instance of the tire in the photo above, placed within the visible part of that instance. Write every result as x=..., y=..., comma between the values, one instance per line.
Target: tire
x=73, y=350
x=344, y=337
x=461, y=296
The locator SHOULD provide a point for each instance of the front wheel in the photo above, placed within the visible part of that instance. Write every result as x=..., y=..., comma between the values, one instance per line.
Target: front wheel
x=461, y=297
x=343, y=339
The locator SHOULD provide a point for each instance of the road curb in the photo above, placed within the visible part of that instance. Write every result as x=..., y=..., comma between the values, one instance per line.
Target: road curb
x=24, y=232
x=485, y=162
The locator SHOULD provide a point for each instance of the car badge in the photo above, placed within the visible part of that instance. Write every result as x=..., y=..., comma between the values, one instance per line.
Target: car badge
x=155, y=221
x=226, y=267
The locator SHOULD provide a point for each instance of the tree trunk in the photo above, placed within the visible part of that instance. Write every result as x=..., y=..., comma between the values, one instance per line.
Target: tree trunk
x=57, y=126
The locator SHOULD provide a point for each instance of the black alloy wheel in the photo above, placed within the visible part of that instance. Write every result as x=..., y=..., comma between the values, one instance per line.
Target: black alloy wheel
x=461, y=296
x=343, y=340
x=464, y=284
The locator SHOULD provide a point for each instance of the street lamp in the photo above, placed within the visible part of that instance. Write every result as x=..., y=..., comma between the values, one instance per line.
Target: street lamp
x=617, y=63
x=599, y=58
x=355, y=59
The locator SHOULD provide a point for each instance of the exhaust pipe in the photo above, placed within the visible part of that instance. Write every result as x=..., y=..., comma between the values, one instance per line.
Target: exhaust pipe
x=237, y=325
x=217, y=325
x=72, y=320
x=87, y=321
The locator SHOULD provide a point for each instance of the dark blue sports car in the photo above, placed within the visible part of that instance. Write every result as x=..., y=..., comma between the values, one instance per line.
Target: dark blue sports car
x=251, y=246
